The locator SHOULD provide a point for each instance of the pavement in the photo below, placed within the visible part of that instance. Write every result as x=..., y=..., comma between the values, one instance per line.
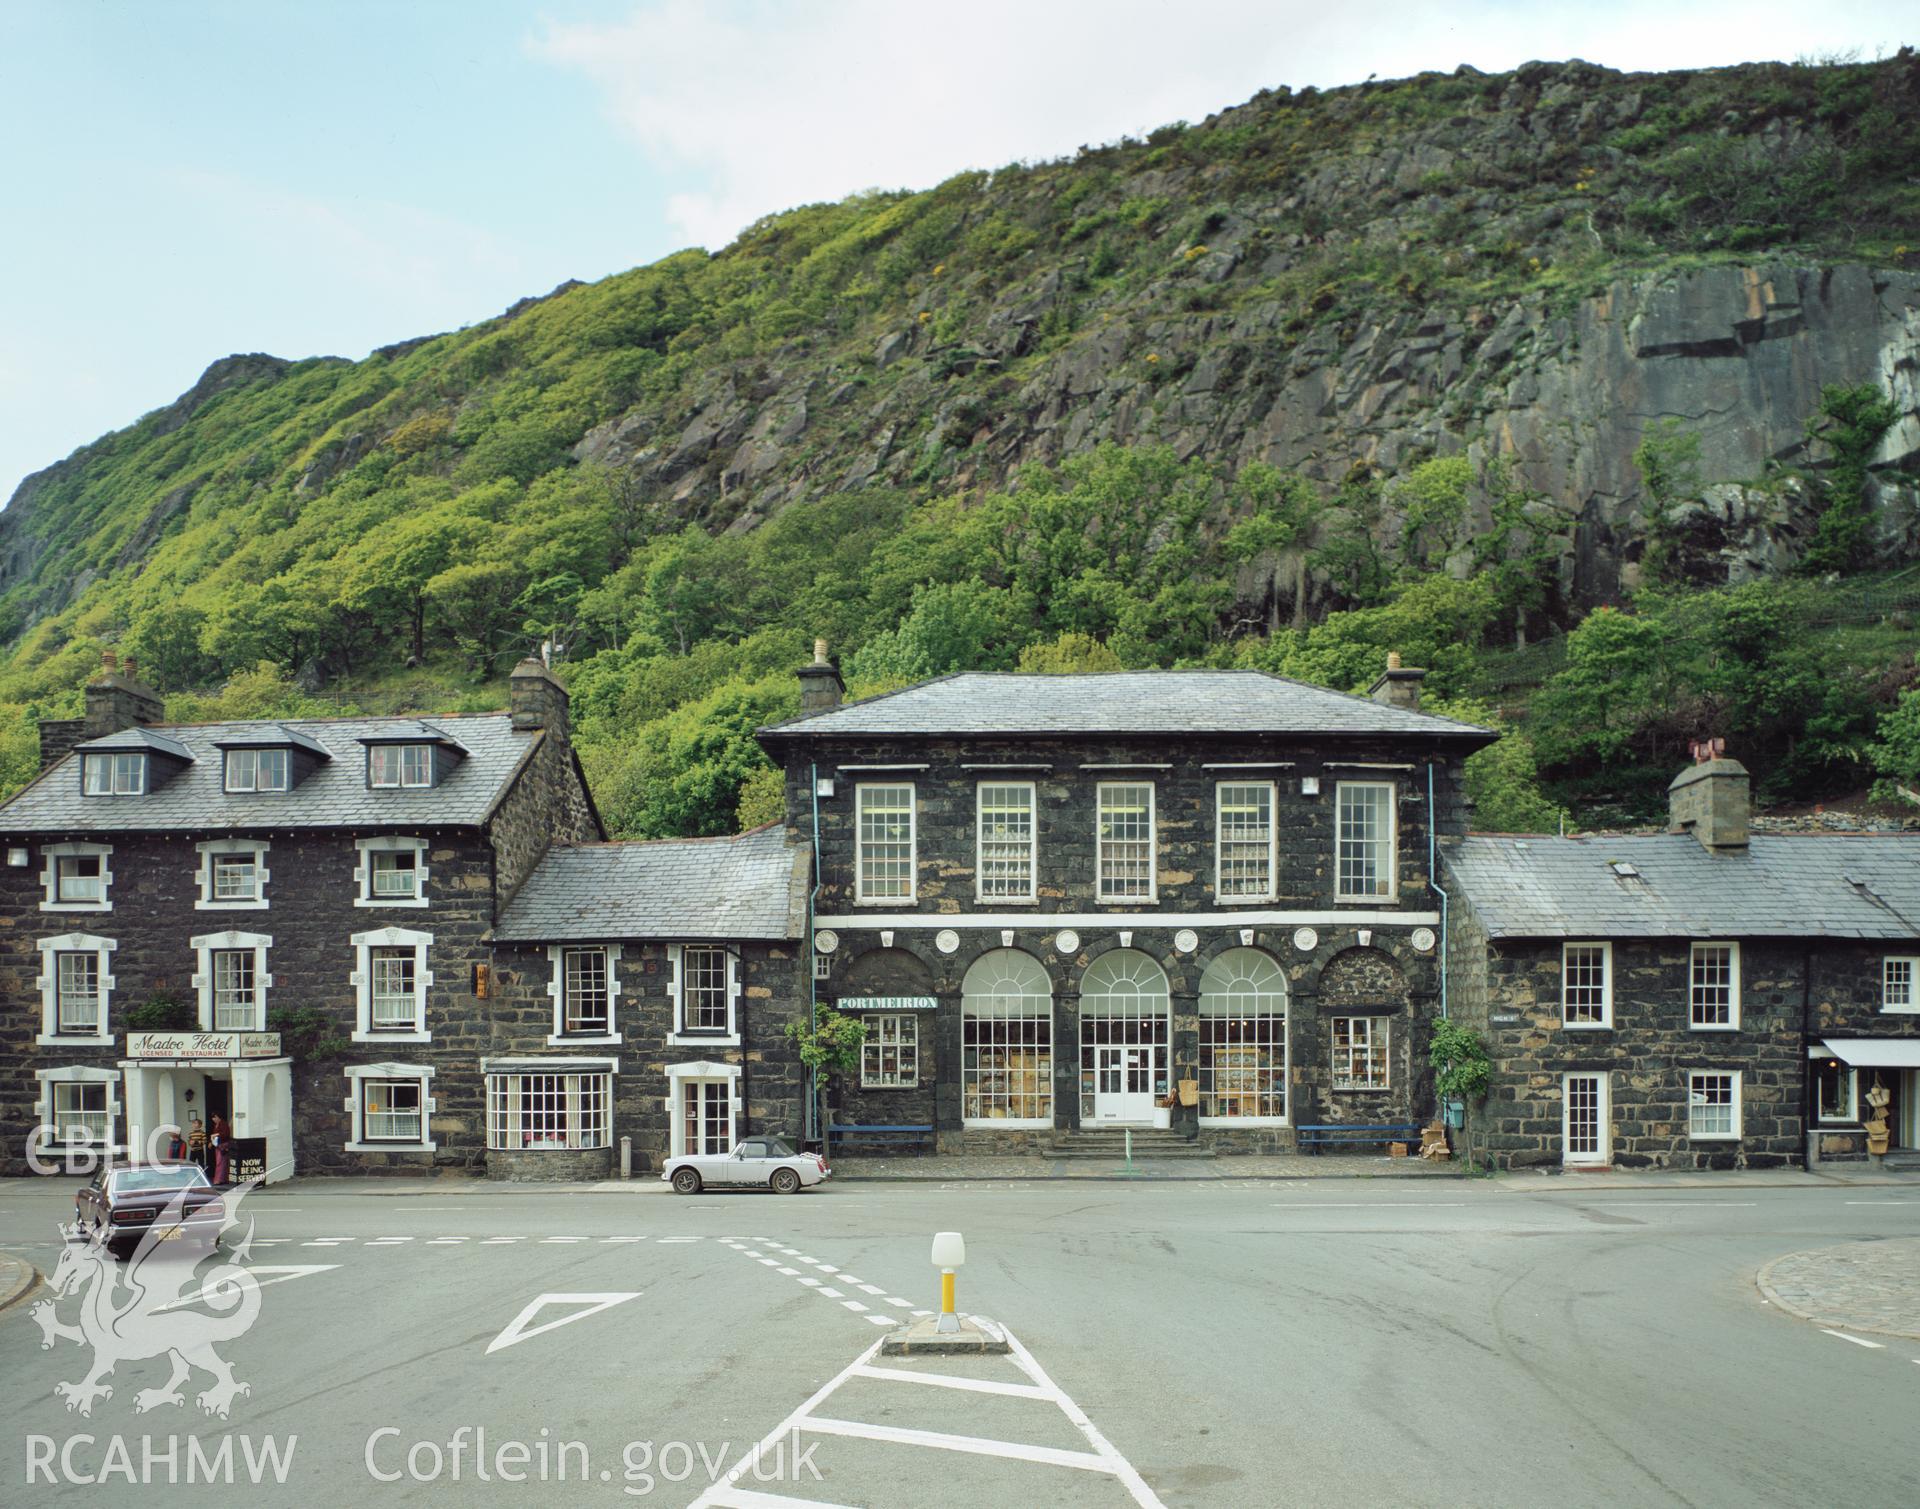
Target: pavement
x=1211, y=1343
x=17, y=1278
x=1866, y=1286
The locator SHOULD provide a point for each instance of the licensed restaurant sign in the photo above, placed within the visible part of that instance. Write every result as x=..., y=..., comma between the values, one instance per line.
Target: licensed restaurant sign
x=190, y=1045
x=889, y=1003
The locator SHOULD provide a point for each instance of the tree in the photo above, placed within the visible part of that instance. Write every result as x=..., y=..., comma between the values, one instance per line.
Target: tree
x=1069, y=652
x=475, y=599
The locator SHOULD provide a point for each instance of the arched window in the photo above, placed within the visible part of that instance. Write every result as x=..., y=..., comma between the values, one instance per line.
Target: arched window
x=1124, y=1002
x=1243, y=1038
x=1006, y=1037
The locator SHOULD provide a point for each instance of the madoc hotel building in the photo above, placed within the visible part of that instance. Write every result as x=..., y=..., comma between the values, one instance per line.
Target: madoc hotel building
x=1059, y=901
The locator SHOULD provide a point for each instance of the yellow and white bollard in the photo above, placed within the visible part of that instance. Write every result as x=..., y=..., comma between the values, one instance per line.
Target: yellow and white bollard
x=949, y=1253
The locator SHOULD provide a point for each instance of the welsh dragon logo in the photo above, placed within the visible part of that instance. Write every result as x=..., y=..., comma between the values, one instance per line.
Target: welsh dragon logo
x=155, y=1305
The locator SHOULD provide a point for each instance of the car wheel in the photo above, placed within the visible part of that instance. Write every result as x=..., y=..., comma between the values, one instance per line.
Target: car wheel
x=686, y=1181
x=785, y=1181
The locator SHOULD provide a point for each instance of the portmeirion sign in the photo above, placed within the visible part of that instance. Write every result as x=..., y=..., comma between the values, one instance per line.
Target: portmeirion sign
x=203, y=1045
x=888, y=1003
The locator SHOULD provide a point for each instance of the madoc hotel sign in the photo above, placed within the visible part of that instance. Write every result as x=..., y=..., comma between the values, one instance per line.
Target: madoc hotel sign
x=203, y=1044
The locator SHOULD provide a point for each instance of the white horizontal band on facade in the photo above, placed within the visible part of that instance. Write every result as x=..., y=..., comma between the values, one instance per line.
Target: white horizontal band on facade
x=999, y=767
x=1363, y=765
x=1249, y=765
x=1047, y=922
x=875, y=769
x=1130, y=765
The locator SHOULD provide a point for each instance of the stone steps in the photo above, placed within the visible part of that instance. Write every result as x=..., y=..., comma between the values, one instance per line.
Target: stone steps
x=1111, y=1145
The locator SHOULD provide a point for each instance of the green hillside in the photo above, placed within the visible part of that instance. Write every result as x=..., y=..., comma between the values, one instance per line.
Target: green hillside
x=1040, y=418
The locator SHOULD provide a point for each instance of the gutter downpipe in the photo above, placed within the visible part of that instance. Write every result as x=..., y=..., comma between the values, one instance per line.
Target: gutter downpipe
x=813, y=978
x=1433, y=879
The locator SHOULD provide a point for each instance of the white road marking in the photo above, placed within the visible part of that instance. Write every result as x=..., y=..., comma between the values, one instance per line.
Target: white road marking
x=1673, y=1204
x=826, y=1267
x=871, y=1289
x=853, y=1305
x=746, y=1498
x=769, y=1262
x=1019, y=1451
x=848, y=1278
x=1883, y=1202
x=948, y=1380
x=271, y=1241
x=326, y=1241
x=280, y=1276
x=1368, y=1204
x=491, y=1241
x=880, y=1320
x=445, y=1241
x=1858, y=1341
x=811, y=1283
x=788, y=1272
x=830, y=1292
x=920, y=1312
x=387, y=1241
x=518, y=1331
x=544, y=1241
x=665, y=1241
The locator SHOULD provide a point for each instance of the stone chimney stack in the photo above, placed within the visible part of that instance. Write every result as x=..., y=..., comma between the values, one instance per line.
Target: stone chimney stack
x=115, y=699
x=820, y=685
x=1398, y=685
x=538, y=699
x=1710, y=799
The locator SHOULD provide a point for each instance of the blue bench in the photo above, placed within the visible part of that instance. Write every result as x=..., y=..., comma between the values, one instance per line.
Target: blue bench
x=901, y=1135
x=1313, y=1138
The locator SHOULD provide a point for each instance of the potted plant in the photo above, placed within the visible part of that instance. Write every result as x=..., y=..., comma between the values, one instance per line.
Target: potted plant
x=830, y=1048
x=1462, y=1071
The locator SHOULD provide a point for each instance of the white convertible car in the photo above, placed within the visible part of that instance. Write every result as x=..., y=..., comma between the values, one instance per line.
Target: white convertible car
x=757, y=1163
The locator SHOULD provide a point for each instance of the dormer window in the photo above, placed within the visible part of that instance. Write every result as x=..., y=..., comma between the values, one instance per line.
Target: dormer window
x=397, y=765
x=257, y=770
x=113, y=774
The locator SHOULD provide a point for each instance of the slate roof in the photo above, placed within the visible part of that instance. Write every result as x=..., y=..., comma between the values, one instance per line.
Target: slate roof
x=1120, y=702
x=407, y=731
x=753, y=886
x=334, y=796
x=133, y=741
x=1786, y=885
x=274, y=736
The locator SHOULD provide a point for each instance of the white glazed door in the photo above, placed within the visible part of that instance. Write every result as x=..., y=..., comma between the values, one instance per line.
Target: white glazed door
x=1588, y=1137
x=1123, y=1084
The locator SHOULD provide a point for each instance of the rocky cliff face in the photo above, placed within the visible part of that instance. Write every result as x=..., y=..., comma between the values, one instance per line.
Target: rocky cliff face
x=1531, y=269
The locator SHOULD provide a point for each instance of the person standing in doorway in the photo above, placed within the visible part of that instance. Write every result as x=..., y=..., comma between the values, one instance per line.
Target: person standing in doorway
x=197, y=1142
x=221, y=1137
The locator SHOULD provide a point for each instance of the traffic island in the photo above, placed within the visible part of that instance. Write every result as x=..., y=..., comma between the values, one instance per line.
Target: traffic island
x=924, y=1338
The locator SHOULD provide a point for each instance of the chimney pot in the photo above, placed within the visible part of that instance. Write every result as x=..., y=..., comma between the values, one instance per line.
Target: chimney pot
x=1398, y=685
x=820, y=652
x=109, y=661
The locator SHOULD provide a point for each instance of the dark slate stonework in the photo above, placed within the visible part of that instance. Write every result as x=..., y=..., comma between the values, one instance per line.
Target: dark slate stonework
x=772, y=1080
x=543, y=1166
x=1184, y=811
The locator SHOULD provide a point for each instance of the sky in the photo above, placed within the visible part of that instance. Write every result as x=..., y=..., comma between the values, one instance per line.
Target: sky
x=184, y=179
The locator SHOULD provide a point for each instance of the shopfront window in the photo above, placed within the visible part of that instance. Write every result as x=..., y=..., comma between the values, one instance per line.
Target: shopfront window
x=1006, y=1070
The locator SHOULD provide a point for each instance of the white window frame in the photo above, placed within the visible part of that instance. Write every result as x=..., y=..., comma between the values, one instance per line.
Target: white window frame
x=132, y=765
x=49, y=983
x=1007, y=984
x=1733, y=1075
x=1221, y=895
x=1260, y=984
x=77, y=1074
x=218, y=848
x=253, y=784
x=399, y=752
x=702, y=1071
x=1889, y=966
x=682, y=1035
x=390, y=844
x=52, y=854
x=1392, y=842
x=1732, y=1024
x=358, y=1075
x=580, y=1130
x=557, y=989
x=906, y=1051
x=205, y=946
x=1151, y=896
x=1606, y=987
x=1852, y=1117
x=1601, y=1156
x=1377, y=1026
x=980, y=891
x=362, y=981
x=861, y=895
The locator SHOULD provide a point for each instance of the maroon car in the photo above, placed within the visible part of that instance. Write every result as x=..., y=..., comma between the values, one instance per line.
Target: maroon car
x=118, y=1204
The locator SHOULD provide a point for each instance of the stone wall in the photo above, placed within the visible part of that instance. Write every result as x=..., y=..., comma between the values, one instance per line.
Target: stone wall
x=1647, y=1052
x=772, y=1080
x=1184, y=797
x=310, y=916
x=546, y=804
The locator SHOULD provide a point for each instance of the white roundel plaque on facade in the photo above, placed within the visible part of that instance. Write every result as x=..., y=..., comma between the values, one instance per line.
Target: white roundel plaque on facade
x=826, y=940
x=1306, y=940
x=1067, y=941
x=946, y=940
x=1422, y=939
x=1186, y=940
